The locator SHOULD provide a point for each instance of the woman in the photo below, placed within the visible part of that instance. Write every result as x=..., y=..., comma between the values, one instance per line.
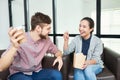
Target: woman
x=89, y=45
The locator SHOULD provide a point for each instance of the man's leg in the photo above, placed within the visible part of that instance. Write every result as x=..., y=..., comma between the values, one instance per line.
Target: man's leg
x=78, y=74
x=20, y=76
x=91, y=71
x=47, y=74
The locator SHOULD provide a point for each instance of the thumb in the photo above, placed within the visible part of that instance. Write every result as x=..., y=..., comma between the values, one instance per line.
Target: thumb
x=54, y=62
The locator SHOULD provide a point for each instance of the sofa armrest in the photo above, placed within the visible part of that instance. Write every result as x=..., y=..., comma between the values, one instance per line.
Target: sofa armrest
x=48, y=61
x=112, y=61
x=3, y=74
x=66, y=66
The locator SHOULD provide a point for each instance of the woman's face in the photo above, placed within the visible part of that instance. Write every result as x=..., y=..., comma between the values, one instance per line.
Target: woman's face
x=84, y=29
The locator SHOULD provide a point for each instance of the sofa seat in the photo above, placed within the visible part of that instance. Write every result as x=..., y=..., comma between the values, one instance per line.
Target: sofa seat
x=104, y=75
x=111, y=61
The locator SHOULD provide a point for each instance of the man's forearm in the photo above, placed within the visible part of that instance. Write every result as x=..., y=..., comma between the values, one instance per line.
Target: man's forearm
x=7, y=58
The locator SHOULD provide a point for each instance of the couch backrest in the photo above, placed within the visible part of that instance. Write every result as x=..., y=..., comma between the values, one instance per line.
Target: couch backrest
x=3, y=74
x=1, y=51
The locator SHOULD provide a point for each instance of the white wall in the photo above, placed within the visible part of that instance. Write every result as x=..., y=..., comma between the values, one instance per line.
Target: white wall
x=18, y=15
x=69, y=13
x=44, y=6
x=110, y=4
x=4, y=24
x=18, y=12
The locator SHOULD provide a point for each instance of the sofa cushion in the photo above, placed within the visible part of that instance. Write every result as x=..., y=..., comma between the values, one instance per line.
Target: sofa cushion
x=48, y=61
x=106, y=75
x=4, y=74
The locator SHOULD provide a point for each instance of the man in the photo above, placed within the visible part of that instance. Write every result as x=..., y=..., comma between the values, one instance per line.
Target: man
x=24, y=57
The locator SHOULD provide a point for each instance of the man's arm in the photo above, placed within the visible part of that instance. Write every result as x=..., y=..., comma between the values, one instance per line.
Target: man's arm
x=7, y=58
x=58, y=59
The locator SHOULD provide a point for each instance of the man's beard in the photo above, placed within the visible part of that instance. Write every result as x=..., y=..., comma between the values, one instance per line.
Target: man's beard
x=42, y=36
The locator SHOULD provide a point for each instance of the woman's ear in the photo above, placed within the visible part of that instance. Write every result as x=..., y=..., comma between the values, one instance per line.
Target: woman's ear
x=91, y=30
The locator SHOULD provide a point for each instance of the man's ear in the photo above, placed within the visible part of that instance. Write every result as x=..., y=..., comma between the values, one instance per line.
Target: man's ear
x=38, y=28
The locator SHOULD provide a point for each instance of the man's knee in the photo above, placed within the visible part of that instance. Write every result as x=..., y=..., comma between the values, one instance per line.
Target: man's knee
x=56, y=75
x=19, y=76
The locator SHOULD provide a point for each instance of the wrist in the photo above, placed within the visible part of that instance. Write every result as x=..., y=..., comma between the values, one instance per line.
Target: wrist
x=65, y=41
x=13, y=48
x=59, y=54
x=88, y=63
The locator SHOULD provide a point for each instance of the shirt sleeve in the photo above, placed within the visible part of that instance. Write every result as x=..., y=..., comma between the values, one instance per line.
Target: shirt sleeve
x=6, y=50
x=16, y=54
x=71, y=47
x=98, y=51
x=52, y=48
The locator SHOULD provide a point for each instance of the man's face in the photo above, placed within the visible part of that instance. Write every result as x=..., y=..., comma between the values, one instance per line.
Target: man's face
x=45, y=31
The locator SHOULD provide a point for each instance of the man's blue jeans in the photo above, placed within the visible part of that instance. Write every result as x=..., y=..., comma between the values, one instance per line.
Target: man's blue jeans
x=45, y=74
x=87, y=74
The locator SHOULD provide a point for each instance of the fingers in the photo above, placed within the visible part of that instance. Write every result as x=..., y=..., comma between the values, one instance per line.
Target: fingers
x=60, y=65
x=16, y=36
x=12, y=31
x=66, y=36
x=55, y=61
x=20, y=38
x=59, y=60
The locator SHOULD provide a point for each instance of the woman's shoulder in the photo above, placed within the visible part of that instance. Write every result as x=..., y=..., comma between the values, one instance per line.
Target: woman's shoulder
x=95, y=38
x=78, y=37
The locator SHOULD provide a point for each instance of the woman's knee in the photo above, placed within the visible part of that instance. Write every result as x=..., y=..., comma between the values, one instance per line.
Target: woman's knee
x=89, y=73
x=78, y=74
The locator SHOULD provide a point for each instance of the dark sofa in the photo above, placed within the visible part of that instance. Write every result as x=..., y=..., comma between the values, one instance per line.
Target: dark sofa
x=111, y=62
x=110, y=72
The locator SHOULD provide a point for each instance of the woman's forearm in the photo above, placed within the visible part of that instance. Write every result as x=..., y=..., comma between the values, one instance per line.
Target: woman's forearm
x=65, y=45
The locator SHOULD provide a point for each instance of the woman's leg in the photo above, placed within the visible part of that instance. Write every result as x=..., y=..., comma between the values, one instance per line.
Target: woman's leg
x=91, y=71
x=47, y=74
x=20, y=76
x=78, y=74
